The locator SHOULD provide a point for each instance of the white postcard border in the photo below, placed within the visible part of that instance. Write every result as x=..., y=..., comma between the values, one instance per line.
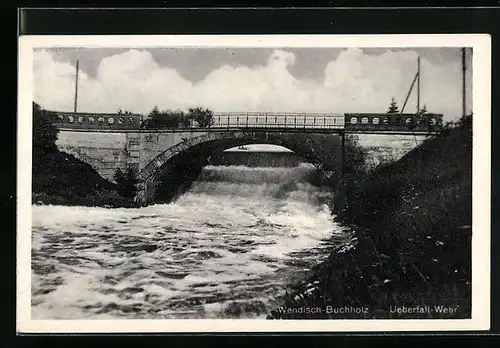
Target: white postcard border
x=481, y=44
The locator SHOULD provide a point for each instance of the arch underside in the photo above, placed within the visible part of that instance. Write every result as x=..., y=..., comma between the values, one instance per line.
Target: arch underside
x=315, y=149
x=212, y=142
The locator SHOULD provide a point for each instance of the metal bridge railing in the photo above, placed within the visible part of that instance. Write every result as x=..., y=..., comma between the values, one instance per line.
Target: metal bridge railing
x=278, y=120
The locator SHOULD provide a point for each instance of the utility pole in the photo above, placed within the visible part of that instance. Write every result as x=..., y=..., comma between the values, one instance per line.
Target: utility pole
x=464, y=72
x=76, y=88
x=418, y=85
x=417, y=80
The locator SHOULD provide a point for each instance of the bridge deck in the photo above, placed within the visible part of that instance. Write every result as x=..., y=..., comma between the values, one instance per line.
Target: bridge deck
x=368, y=123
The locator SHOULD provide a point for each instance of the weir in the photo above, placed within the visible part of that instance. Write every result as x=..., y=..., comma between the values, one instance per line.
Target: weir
x=256, y=158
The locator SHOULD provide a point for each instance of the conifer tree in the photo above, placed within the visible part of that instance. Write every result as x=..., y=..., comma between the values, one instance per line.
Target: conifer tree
x=393, y=108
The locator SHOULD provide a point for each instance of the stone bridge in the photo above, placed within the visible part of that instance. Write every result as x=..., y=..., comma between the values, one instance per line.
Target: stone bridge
x=108, y=142
x=157, y=154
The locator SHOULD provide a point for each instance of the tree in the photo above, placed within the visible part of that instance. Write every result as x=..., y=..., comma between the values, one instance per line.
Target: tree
x=420, y=115
x=393, y=108
x=131, y=181
x=175, y=118
x=167, y=118
x=120, y=112
x=354, y=156
x=45, y=132
x=204, y=117
x=466, y=121
x=423, y=110
x=127, y=182
x=153, y=118
x=155, y=113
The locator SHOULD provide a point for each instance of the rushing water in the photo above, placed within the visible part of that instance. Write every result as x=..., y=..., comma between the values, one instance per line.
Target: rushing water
x=227, y=248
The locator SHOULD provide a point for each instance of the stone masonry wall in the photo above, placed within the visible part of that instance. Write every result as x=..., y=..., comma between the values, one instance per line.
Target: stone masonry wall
x=105, y=152
x=387, y=148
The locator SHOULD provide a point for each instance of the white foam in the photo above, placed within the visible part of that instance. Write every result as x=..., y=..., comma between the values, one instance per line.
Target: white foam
x=186, y=257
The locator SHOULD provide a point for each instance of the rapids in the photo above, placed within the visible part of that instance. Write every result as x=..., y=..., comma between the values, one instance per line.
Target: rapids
x=228, y=248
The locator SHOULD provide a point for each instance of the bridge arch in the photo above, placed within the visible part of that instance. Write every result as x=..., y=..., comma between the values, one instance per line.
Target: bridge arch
x=322, y=150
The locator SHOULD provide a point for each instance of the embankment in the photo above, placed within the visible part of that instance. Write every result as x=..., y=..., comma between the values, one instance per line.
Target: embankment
x=412, y=246
x=60, y=178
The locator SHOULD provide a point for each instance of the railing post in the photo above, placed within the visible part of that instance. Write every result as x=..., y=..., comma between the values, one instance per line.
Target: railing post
x=246, y=114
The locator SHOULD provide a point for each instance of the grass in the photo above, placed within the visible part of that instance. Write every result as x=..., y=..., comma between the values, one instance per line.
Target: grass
x=412, y=220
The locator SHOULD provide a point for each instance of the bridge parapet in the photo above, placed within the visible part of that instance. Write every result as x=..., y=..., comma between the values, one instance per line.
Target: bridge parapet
x=96, y=121
x=369, y=122
x=270, y=120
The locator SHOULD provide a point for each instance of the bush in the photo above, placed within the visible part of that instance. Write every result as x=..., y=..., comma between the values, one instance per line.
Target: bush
x=167, y=119
x=204, y=117
x=178, y=118
x=126, y=182
x=354, y=156
x=45, y=133
x=466, y=122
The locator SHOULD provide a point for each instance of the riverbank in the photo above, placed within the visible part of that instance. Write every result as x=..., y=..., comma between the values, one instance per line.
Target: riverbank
x=61, y=179
x=412, y=248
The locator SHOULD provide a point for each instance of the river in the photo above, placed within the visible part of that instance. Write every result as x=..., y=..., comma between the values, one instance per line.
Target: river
x=227, y=248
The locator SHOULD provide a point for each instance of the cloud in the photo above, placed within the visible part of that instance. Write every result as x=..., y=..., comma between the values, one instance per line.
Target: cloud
x=353, y=82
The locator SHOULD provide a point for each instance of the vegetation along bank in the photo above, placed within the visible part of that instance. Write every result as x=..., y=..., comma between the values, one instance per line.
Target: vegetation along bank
x=410, y=253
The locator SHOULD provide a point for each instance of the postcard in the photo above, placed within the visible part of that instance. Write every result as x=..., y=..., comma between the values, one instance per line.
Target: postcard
x=253, y=183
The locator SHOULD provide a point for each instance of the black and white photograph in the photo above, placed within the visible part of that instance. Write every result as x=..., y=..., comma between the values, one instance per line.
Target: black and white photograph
x=282, y=182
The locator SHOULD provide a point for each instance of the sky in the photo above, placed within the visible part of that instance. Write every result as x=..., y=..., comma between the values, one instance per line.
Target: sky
x=277, y=79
